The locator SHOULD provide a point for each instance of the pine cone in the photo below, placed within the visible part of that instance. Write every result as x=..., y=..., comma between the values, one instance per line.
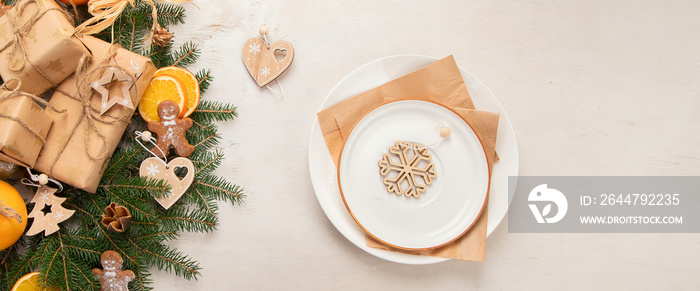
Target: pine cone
x=161, y=36
x=8, y=170
x=118, y=218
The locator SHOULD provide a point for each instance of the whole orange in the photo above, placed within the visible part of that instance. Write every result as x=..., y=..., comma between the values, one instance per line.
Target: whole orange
x=10, y=229
x=76, y=2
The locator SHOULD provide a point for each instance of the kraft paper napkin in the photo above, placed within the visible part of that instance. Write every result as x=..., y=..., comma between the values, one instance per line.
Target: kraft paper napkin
x=439, y=82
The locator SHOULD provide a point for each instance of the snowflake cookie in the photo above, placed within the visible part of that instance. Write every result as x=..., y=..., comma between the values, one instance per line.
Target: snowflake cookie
x=408, y=160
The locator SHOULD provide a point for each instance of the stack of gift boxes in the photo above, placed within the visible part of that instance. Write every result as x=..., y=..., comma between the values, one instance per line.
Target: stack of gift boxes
x=72, y=137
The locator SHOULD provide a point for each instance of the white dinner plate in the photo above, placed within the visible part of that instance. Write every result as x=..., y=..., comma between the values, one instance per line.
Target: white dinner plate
x=376, y=73
x=451, y=202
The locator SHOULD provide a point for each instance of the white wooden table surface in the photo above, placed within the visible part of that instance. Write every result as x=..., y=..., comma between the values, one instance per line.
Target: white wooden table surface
x=591, y=87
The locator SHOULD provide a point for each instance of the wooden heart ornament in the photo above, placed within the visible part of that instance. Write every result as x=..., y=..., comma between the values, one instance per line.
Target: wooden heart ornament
x=265, y=63
x=157, y=169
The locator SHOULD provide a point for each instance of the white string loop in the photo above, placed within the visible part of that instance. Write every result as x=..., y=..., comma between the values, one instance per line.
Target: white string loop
x=436, y=143
x=140, y=136
x=36, y=181
x=279, y=93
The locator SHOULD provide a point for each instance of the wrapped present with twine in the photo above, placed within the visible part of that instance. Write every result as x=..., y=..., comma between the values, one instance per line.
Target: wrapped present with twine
x=38, y=45
x=23, y=125
x=86, y=132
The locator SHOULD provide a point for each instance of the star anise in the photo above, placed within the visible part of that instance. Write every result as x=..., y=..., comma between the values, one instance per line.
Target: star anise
x=117, y=219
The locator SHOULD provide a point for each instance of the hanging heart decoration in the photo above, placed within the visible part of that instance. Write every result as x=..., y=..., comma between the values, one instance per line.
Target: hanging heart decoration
x=157, y=169
x=265, y=64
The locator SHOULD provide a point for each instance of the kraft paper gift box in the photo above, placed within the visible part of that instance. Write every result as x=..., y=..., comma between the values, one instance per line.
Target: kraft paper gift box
x=23, y=125
x=38, y=45
x=82, y=140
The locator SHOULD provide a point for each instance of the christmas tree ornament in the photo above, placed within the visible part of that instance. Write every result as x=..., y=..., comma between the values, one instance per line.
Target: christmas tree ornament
x=8, y=170
x=408, y=161
x=117, y=85
x=111, y=276
x=47, y=212
x=266, y=62
x=158, y=169
x=13, y=215
x=117, y=219
x=171, y=130
x=160, y=89
x=190, y=84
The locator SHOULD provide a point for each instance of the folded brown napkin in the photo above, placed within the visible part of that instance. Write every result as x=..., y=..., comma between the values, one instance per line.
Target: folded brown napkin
x=440, y=82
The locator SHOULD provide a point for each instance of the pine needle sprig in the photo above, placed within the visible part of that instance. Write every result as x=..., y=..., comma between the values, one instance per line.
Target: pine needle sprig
x=204, y=77
x=187, y=54
x=211, y=111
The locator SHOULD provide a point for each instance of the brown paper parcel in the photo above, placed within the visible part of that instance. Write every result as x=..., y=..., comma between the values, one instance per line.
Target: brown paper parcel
x=38, y=45
x=23, y=125
x=81, y=140
x=439, y=82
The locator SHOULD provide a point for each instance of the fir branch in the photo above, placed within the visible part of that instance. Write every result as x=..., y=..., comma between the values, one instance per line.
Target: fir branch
x=219, y=188
x=142, y=281
x=204, y=78
x=140, y=211
x=158, y=236
x=210, y=111
x=168, y=260
x=181, y=219
x=208, y=204
x=169, y=14
x=187, y=54
x=207, y=162
x=152, y=186
x=121, y=161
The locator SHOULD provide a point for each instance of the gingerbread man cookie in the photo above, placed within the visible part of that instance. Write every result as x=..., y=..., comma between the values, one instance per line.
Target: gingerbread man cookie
x=171, y=130
x=112, y=278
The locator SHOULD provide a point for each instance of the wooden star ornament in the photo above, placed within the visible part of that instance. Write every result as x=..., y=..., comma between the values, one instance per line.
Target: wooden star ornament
x=104, y=84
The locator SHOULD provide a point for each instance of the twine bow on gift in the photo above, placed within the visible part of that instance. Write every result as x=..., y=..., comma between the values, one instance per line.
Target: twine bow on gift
x=91, y=115
x=18, y=53
x=11, y=90
x=105, y=12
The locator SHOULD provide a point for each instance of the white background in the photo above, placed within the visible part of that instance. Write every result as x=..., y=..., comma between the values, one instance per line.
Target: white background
x=591, y=87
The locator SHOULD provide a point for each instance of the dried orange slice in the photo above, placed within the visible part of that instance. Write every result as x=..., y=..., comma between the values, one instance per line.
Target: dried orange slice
x=160, y=89
x=29, y=282
x=191, y=85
